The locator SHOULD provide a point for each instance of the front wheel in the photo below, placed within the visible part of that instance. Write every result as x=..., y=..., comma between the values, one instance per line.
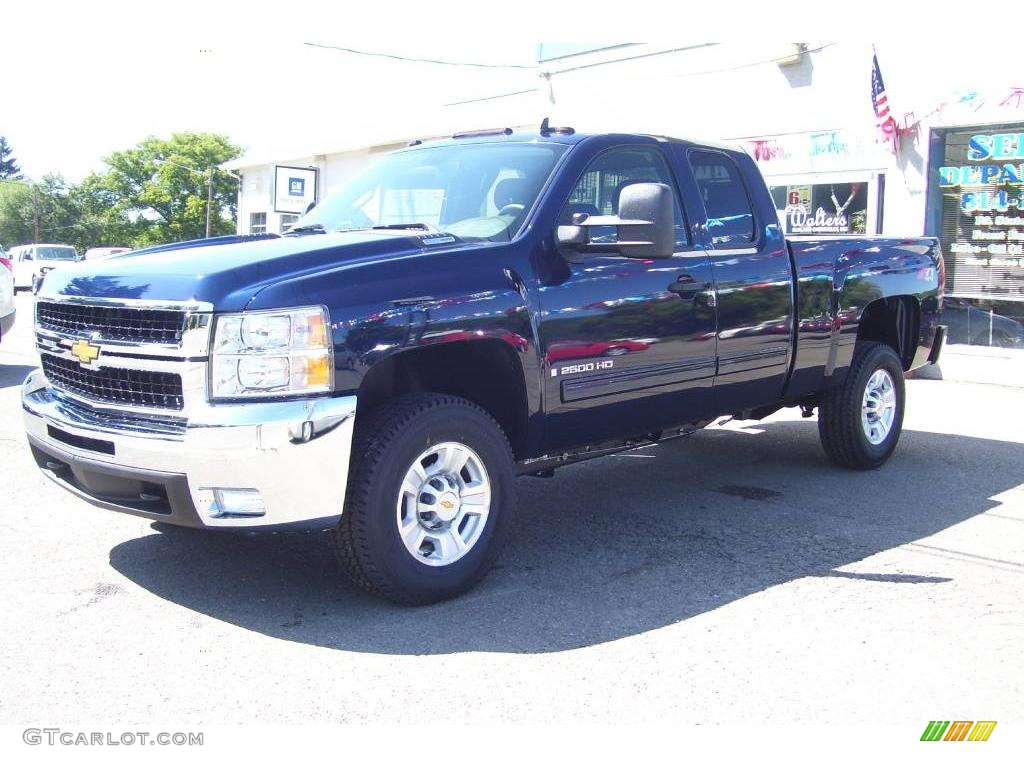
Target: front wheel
x=430, y=499
x=860, y=422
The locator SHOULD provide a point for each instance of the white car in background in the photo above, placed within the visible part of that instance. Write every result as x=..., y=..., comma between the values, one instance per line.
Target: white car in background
x=32, y=262
x=6, y=294
x=103, y=252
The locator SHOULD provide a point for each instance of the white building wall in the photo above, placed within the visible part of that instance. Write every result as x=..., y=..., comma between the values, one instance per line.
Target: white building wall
x=739, y=93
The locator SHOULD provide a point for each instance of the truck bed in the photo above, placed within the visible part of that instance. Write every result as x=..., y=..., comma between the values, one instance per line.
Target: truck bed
x=836, y=278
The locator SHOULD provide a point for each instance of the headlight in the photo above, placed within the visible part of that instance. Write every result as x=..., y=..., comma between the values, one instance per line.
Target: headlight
x=266, y=354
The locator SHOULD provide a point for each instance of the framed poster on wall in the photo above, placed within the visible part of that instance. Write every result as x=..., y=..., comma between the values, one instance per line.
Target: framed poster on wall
x=294, y=188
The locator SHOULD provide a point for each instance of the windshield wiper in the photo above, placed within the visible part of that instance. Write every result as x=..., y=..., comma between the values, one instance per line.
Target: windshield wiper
x=319, y=228
x=411, y=225
x=312, y=229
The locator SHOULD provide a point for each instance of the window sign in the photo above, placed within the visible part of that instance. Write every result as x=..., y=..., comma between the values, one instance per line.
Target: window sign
x=822, y=209
x=981, y=182
x=294, y=189
x=799, y=197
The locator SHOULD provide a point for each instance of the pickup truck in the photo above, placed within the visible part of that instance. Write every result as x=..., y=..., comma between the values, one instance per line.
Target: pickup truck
x=465, y=311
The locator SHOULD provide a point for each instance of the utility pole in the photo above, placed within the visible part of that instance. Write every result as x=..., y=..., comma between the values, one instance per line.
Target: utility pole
x=209, y=186
x=209, y=200
x=35, y=213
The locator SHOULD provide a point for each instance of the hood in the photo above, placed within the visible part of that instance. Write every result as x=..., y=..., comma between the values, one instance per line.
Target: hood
x=227, y=276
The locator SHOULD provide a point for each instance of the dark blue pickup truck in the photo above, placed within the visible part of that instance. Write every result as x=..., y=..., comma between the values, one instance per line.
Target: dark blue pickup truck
x=465, y=311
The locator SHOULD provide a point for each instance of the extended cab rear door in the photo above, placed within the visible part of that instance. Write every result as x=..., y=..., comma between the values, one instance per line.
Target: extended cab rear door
x=752, y=273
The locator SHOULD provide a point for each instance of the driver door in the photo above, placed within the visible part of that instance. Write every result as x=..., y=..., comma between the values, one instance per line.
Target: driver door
x=629, y=344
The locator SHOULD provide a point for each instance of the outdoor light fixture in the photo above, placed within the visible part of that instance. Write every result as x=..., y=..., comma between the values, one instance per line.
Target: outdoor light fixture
x=237, y=502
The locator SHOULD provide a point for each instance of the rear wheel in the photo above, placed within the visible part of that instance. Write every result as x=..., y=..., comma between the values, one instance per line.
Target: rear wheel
x=860, y=422
x=430, y=499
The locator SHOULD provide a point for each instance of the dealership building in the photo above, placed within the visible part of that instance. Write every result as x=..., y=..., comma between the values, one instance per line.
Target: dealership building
x=951, y=165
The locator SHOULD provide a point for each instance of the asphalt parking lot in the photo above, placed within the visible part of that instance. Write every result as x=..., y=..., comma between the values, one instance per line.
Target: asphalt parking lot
x=731, y=577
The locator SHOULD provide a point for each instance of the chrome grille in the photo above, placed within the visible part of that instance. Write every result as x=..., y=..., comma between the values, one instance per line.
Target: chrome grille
x=125, y=421
x=133, y=325
x=122, y=386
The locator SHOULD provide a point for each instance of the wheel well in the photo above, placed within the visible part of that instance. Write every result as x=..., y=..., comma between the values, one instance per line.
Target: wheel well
x=486, y=372
x=896, y=321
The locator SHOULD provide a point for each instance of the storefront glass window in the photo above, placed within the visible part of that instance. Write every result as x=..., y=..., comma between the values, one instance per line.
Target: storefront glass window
x=822, y=209
x=979, y=188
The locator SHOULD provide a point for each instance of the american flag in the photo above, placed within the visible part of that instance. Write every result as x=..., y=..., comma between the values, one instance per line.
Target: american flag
x=887, y=128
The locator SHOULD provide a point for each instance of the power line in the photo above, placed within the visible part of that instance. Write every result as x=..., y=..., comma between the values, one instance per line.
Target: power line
x=633, y=58
x=489, y=98
x=695, y=73
x=396, y=57
x=548, y=75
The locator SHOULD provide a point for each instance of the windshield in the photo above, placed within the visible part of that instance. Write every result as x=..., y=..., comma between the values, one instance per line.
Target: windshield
x=474, y=191
x=56, y=253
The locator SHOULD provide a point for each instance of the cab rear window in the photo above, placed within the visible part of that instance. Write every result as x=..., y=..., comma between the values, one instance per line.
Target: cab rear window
x=726, y=202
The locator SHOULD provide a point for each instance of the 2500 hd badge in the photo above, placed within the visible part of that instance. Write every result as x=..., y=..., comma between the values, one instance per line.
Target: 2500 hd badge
x=583, y=367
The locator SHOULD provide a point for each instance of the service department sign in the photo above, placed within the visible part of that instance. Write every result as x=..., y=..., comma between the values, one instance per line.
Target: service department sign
x=294, y=188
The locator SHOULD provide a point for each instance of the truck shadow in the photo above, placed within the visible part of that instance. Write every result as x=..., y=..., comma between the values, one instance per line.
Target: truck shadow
x=611, y=548
x=13, y=375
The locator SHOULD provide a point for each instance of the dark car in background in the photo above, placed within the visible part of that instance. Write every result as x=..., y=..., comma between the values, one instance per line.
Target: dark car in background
x=967, y=324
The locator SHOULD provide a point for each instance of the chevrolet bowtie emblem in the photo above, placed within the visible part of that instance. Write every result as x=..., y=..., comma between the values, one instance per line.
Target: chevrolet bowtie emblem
x=85, y=351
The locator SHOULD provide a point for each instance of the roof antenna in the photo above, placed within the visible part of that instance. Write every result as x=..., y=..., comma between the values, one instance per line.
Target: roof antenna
x=547, y=130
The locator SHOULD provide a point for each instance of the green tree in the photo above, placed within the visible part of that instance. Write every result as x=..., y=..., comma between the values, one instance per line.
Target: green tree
x=15, y=213
x=38, y=211
x=157, y=191
x=8, y=165
x=102, y=222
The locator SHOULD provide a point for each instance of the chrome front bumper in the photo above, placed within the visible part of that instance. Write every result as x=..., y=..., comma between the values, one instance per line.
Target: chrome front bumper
x=294, y=453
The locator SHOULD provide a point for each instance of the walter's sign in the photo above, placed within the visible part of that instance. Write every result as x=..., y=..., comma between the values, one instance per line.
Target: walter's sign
x=294, y=188
x=801, y=222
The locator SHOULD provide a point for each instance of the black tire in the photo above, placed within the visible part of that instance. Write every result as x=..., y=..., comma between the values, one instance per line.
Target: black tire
x=367, y=540
x=840, y=427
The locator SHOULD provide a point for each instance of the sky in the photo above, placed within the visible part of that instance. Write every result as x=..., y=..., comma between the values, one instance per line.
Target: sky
x=274, y=96
x=81, y=80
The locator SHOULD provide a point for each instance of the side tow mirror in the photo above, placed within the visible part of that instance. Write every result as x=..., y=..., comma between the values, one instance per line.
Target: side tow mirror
x=645, y=222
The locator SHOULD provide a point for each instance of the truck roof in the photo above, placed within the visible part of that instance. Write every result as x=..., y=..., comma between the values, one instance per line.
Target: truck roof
x=558, y=136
